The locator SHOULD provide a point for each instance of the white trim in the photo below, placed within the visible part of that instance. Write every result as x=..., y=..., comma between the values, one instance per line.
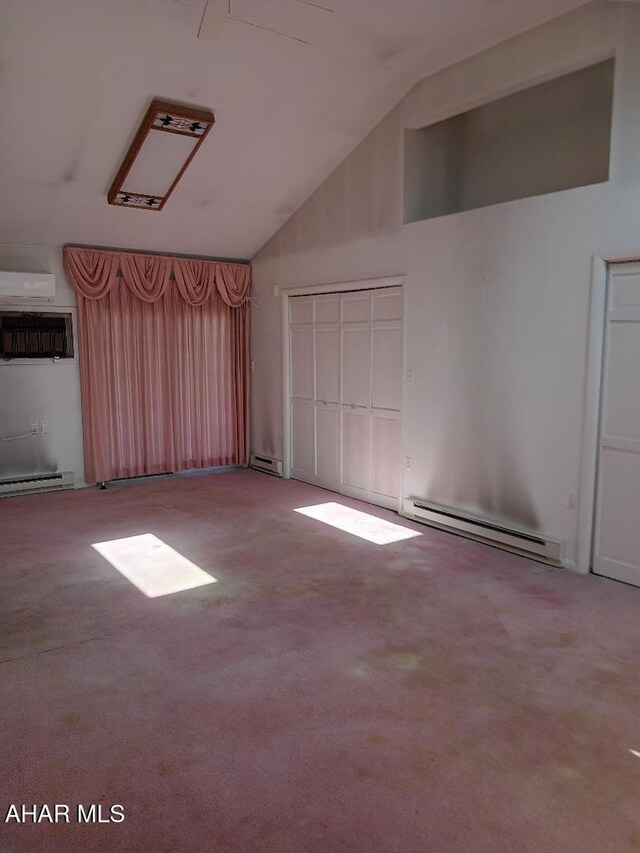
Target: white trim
x=286, y=389
x=588, y=473
x=316, y=290
x=344, y=286
x=403, y=401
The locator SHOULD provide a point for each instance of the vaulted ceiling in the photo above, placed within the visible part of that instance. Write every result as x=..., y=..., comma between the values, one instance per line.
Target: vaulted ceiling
x=294, y=84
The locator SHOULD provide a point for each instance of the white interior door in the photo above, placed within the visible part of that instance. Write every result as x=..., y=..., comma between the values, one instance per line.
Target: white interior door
x=617, y=535
x=346, y=391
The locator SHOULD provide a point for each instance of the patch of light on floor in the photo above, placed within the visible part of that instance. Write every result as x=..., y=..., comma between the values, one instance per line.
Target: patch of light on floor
x=151, y=565
x=635, y=752
x=361, y=524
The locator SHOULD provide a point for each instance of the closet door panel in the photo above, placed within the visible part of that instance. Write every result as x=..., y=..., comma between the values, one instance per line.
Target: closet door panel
x=385, y=454
x=355, y=307
x=326, y=309
x=327, y=392
x=356, y=366
x=328, y=447
x=302, y=439
x=301, y=310
x=355, y=449
x=386, y=367
x=386, y=305
x=327, y=348
x=302, y=362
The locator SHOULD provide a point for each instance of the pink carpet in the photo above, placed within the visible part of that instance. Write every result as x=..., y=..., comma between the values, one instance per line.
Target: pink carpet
x=327, y=694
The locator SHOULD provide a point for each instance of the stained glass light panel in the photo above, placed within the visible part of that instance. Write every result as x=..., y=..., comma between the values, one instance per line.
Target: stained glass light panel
x=166, y=142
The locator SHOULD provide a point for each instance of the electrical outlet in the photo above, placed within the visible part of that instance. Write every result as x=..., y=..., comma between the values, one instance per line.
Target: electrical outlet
x=253, y=366
x=44, y=427
x=408, y=376
x=35, y=429
x=408, y=463
x=275, y=289
x=572, y=500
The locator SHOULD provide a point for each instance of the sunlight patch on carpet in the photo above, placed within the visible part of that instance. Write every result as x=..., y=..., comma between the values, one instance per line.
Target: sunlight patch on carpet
x=151, y=565
x=361, y=524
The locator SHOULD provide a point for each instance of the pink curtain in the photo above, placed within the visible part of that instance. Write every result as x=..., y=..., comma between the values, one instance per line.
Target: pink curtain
x=163, y=363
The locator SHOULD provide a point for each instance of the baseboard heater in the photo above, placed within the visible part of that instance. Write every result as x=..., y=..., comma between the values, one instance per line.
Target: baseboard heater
x=266, y=464
x=486, y=530
x=37, y=483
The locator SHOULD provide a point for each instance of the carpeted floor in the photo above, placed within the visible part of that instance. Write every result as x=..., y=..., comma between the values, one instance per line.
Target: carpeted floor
x=327, y=694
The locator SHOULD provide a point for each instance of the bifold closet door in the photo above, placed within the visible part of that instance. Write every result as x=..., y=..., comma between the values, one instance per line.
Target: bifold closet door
x=345, y=394
x=386, y=394
x=355, y=331
x=371, y=330
x=326, y=334
x=617, y=529
x=301, y=344
x=314, y=341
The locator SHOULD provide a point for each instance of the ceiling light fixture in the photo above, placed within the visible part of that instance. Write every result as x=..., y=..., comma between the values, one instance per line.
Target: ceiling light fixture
x=165, y=144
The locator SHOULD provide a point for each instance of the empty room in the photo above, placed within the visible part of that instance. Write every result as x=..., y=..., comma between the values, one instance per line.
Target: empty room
x=319, y=426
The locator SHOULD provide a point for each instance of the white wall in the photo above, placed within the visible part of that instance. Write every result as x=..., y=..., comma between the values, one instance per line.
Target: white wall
x=41, y=390
x=497, y=298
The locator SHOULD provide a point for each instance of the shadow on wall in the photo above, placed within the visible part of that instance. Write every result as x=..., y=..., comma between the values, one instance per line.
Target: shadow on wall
x=475, y=466
x=474, y=462
x=266, y=428
x=25, y=456
x=21, y=456
x=360, y=199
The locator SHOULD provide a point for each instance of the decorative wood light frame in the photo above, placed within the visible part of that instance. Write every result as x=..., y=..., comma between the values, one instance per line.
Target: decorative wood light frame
x=166, y=142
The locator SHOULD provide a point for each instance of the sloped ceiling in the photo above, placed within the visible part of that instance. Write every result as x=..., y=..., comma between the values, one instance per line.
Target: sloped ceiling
x=295, y=85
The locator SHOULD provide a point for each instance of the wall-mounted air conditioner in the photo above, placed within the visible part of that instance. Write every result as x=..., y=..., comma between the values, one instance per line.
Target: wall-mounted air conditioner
x=27, y=287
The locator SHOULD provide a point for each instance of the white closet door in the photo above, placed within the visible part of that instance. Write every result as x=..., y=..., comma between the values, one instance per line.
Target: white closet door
x=386, y=394
x=301, y=344
x=617, y=537
x=345, y=393
x=327, y=390
x=356, y=392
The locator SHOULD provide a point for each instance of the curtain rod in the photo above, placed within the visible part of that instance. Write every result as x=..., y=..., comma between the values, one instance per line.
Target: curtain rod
x=159, y=254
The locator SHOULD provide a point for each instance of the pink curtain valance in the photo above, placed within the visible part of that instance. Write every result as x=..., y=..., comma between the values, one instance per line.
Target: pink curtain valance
x=195, y=280
x=146, y=276
x=93, y=272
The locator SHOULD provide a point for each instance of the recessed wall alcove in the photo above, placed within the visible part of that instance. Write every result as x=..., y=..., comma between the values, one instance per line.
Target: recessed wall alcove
x=550, y=137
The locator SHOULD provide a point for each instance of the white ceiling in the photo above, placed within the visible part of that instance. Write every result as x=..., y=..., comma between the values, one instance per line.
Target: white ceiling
x=295, y=85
